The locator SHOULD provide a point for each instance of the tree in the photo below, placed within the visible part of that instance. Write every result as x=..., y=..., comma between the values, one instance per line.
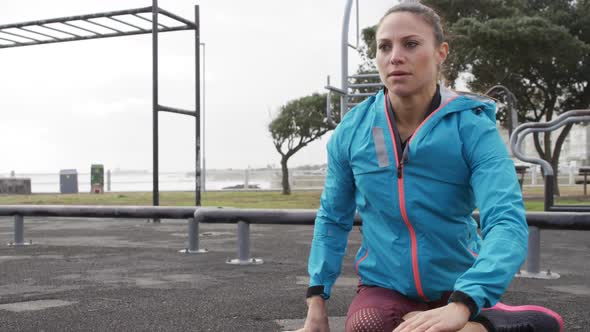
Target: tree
x=298, y=123
x=538, y=49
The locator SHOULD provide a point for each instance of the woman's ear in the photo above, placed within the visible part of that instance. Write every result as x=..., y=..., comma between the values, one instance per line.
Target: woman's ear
x=442, y=52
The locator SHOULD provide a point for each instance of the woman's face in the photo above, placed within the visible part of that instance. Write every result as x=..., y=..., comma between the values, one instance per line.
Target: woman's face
x=407, y=55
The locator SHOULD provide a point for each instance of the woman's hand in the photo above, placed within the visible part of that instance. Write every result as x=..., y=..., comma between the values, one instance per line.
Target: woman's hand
x=317, y=317
x=449, y=318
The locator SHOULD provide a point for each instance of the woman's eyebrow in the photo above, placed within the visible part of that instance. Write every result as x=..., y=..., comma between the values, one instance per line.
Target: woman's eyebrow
x=412, y=36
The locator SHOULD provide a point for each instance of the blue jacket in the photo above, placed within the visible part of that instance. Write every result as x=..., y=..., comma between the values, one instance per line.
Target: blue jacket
x=418, y=234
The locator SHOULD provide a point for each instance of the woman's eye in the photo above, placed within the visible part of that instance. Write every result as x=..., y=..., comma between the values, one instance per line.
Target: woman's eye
x=384, y=47
x=411, y=44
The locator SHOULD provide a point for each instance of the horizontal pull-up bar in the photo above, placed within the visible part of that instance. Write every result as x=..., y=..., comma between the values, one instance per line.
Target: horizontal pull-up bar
x=108, y=35
x=12, y=41
x=20, y=36
x=177, y=18
x=102, y=26
x=39, y=33
x=114, y=17
x=126, y=23
x=78, y=17
x=335, y=89
x=80, y=28
x=176, y=110
x=149, y=21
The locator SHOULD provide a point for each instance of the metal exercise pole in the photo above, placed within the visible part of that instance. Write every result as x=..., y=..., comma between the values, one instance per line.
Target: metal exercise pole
x=533, y=259
x=193, y=238
x=156, y=190
x=243, y=241
x=19, y=231
x=203, y=141
x=197, y=109
x=244, y=247
x=532, y=263
x=344, y=59
x=549, y=190
x=512, y=113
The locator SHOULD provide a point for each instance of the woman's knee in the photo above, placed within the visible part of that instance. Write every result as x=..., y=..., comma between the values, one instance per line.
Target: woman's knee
x=371, y=320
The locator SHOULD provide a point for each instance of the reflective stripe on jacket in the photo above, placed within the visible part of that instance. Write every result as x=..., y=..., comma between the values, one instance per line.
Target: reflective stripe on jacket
x=418, y=234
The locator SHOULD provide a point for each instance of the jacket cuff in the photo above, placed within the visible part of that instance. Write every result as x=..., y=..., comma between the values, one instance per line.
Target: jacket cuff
x=459, y=296
x=316, y=291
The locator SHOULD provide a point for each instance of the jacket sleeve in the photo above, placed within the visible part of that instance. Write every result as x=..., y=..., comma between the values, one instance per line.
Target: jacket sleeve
x=334, y=218
x=502, y=214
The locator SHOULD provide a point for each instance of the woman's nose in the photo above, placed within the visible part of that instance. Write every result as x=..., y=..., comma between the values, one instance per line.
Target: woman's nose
x=396, y=57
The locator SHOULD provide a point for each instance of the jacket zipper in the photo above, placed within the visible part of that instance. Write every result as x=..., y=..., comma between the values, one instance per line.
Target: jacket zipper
x=413, y=239
x=402, y=204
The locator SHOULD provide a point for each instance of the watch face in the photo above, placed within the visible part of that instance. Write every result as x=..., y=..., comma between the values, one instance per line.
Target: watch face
x=316, y=290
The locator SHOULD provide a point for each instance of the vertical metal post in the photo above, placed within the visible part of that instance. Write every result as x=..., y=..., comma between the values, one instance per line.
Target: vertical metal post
x=243, y=241
x=109, y=180
x=193, y=235
x=533, y=266
x=548, y=192
x=344, y=60
x=193, y=238
x=197, y=109
x=156, y=189
x=204, y=174
x=19, y=230
x=244, y=246
x=534, y=251
x=512, y=112
x=357, y=23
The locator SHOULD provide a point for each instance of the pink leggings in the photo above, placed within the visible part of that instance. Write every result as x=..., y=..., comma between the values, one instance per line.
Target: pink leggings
x=376, y=309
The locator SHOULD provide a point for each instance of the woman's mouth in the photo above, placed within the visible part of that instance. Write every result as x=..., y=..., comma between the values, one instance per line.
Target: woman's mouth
x=398, y=73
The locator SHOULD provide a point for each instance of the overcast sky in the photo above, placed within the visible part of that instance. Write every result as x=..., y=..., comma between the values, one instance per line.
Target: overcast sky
x=69, y=105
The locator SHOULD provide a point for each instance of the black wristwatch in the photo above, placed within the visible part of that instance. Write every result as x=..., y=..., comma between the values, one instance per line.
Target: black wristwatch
x=460, y=297
x=315, y=291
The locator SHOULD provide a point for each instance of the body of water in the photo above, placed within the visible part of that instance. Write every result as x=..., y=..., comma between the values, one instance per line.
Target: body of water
x=177, y=181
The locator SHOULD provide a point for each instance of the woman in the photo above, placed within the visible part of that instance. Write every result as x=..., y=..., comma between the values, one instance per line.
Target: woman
x=415, y=160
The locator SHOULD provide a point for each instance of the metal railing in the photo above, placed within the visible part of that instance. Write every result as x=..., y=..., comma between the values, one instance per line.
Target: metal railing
x=574, y=116
x=517, y=139
x=244, y=217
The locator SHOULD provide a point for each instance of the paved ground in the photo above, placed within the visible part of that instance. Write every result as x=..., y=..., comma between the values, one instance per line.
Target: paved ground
x=127, y=275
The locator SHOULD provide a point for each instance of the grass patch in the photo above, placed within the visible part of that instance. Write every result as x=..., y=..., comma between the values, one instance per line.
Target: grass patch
x=247, y=199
